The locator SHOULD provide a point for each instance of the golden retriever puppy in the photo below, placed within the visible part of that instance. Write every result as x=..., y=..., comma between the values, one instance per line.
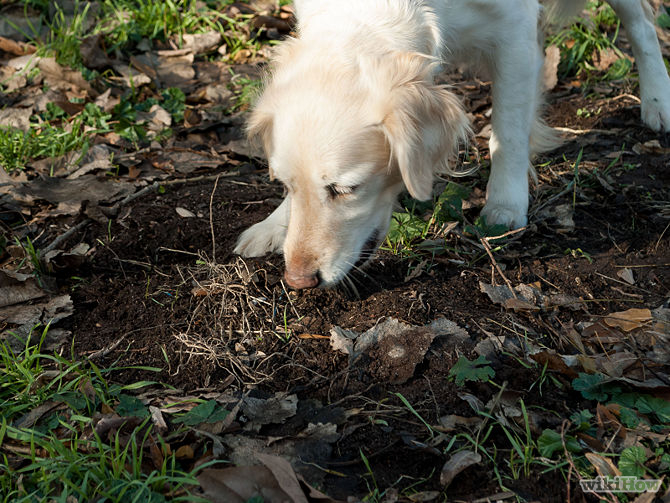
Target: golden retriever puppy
x=351, y=116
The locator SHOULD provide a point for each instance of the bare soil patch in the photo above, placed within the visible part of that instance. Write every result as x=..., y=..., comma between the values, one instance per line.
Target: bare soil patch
x=144, y=300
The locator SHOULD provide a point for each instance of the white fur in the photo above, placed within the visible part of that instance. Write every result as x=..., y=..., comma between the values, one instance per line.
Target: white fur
x=351, y=115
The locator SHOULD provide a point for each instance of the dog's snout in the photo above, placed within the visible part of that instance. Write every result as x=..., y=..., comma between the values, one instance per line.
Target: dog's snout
x=302, y=279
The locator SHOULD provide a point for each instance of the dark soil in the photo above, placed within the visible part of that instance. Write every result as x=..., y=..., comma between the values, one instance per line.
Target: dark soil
x=140, y=285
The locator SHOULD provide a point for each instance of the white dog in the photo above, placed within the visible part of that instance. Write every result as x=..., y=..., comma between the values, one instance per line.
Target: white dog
x=351, y=116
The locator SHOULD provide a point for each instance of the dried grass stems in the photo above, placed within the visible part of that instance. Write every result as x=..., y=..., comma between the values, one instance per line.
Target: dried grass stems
x=233, y=308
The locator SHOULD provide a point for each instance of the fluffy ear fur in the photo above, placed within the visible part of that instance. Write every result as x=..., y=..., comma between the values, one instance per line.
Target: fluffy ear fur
x=259, y=128
x=424, y=123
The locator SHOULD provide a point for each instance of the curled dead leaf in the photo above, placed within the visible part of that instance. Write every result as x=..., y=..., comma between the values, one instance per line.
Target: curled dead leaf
x=456, y=464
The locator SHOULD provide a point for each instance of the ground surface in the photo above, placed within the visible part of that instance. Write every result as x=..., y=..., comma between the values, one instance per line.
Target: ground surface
x=140, y=286
x=121, y=242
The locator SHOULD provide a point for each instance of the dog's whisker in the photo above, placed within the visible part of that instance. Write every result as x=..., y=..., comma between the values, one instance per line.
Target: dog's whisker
x=362, y=272
x=355, y=292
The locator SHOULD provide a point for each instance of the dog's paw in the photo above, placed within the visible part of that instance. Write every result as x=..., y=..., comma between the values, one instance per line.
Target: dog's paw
x=260, y=239
x=656, y=111
x=507, y=215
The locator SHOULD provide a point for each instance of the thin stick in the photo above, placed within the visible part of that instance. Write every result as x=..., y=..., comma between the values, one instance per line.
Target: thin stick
x=493, y=261
x=211, y=219
x=66, y=235
x=508, y=233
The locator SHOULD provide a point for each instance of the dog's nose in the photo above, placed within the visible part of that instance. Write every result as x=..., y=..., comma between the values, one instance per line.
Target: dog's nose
x=300, y=280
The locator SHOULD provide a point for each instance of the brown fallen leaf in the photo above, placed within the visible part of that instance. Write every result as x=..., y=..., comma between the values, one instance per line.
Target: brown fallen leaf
x=16, y=288
x=285, y=476
x=456, y=464
x=184, y=452
x=393, y=347
x=70, y=194
x=274, y=482
x=524, y=297
x=554, y=362
x=16, y=117
x=604, y=58
x=16, y=48
x=59, y=77
x=269, y=22
x=628, y=320
x=452, y=422
x=647, y=497
x=651, y=147
x=240, y=484
x=603, y=465
x=168, y=71
x=29, y=419
x=92, y=54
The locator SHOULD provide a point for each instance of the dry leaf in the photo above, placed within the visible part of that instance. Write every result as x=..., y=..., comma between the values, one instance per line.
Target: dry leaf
x=456, y=464
x=16, y=288
x=651, y=147
x=240, y=484
x=184, y=213
x=452, y=422
x=16, y=48
x=393, y=347
x=275, y=482
x=61, y=78
x=626, y=274
x=604, y=58
x=14, y=117
x=184, y=452
x=285, y=476
x=70, y=194
x=274, y=410
x=628, y=320
x=202, y=42
x=524, y=297
x=603, y=465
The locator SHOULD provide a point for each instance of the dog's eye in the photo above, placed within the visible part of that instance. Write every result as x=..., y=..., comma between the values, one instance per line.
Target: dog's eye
x=335, y=191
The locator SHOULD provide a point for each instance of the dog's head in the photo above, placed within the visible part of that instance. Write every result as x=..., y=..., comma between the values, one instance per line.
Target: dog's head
x=345, y=137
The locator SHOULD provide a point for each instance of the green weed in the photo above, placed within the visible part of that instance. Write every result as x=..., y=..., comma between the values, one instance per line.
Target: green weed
x=48, y=136
x=580, y=42
x=478, y=370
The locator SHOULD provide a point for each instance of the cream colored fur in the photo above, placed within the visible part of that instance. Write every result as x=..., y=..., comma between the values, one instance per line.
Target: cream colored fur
x=351, y=115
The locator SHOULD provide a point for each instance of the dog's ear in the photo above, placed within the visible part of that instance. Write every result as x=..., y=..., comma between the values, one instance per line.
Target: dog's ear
x=259, y=129
x=424, y=123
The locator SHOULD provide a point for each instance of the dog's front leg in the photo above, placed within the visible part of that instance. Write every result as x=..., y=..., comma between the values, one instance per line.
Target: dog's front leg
x=266, y=236
x=515, y=65
x=654, y=80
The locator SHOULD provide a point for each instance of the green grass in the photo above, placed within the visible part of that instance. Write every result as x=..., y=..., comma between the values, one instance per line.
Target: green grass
x=58, y=456
x=245, y=90
x=48, y=136
x=579, y=43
